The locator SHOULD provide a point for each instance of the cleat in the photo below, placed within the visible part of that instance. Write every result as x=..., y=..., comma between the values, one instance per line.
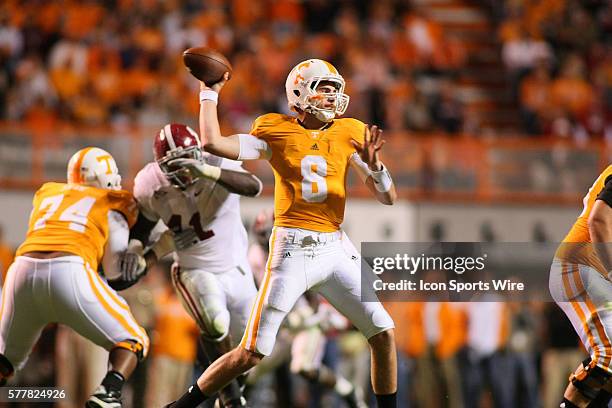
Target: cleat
x=102, y=398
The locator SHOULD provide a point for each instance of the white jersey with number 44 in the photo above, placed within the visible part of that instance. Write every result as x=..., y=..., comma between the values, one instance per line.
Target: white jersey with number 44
x=207, y=207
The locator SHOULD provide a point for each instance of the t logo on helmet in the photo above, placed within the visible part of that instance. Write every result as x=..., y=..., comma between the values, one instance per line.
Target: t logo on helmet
x=298, y=76
x=106, y=159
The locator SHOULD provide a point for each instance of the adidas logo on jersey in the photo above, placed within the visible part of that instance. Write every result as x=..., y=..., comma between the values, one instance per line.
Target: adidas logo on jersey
x=287, y=255
x=314, y=147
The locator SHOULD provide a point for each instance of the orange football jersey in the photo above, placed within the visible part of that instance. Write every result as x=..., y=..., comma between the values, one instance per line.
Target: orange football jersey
x=576, y=247
x=74, y=218
x=310, y=169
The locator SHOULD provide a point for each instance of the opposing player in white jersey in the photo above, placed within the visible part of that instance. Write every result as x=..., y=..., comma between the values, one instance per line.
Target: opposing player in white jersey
x=73, y=228
x=196, y=195
x=310, y=154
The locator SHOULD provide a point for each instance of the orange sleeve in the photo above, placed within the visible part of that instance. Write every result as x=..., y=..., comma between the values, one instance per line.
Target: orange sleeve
x=266, y=125
x=124, y=202
x=259, y=127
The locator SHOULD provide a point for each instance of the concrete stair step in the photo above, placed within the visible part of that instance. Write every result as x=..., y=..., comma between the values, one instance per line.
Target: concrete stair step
x=485, y=57
x=482, y=84
x=460, y=15
x=471, y=93
x=485, y=73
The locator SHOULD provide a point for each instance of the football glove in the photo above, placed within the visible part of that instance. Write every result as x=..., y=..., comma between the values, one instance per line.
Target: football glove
x=198, y=168
x=132, y=266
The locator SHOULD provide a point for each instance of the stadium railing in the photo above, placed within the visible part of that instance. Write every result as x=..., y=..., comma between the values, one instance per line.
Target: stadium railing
x=432, y=167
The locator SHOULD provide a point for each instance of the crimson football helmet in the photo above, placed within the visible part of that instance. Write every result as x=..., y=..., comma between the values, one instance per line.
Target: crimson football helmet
x=176, y=141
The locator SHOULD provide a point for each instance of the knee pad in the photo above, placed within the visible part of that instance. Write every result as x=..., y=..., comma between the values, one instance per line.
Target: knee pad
x=132, y=346
x=589, y=379
x=204, y=297
x=217, y=325
x=6, y=369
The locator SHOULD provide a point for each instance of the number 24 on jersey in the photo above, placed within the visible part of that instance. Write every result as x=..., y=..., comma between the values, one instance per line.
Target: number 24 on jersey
x=75, y=214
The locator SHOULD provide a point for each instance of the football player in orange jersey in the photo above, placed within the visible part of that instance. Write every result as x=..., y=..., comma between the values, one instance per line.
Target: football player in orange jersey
x=303, y=337
x=580, y=283
x=73, y=228
x=310, y=154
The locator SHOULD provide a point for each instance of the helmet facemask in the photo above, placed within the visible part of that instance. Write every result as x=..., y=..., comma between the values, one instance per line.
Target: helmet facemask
x=179, y=176
x=106, y=181
x=314, y=102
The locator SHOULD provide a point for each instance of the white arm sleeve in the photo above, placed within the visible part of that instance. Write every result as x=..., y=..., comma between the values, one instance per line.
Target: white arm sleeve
x=116, y=244
x=253, y=148
x=362, y=169
x=233, y=165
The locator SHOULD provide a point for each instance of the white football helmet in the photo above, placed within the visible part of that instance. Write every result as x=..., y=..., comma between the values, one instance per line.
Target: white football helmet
x=94, y=167
x=302, y=83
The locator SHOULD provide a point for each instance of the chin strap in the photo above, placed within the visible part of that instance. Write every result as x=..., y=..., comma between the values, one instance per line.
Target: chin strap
x=322, y=115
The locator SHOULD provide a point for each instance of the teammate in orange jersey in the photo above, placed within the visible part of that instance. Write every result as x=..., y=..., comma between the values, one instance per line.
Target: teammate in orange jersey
x=73, y=228
x=310, y=155
x=580, y=283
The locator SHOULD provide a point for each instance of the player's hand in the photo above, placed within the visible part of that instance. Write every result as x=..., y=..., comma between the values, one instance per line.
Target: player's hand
x=216, y=87
x=185, y=239
x=372, y=143
x=197, y=168
x=132, y=266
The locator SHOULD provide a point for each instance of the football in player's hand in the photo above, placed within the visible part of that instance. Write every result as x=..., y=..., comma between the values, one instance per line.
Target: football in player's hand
x=206, y=64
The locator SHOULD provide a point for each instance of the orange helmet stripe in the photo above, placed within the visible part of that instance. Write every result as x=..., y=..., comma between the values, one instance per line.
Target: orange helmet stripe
x=332, y=69
x=75, y=176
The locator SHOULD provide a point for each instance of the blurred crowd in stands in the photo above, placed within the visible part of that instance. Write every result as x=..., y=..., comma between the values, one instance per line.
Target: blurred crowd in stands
x=119, y=62
x=97, y=62
x=558, y=55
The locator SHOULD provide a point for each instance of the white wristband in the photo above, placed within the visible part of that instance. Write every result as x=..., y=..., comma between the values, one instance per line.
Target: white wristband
x=382, y=180
x=209, y=95
x=211, y=172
